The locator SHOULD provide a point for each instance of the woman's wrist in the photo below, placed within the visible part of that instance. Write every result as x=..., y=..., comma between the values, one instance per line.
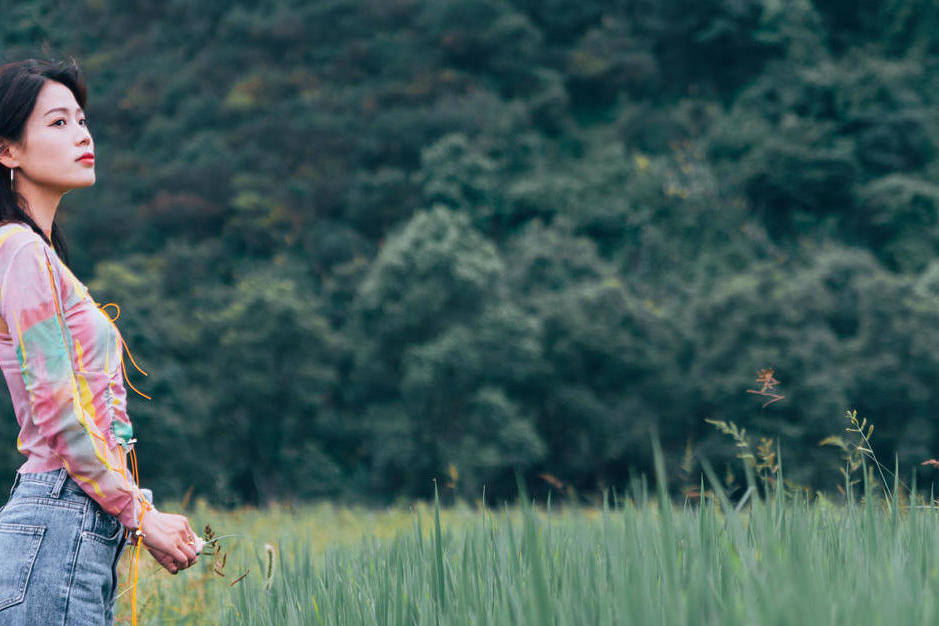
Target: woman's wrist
x=139, y=531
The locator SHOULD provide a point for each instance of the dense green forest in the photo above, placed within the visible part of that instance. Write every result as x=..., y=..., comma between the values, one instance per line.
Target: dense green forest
x=362, y=244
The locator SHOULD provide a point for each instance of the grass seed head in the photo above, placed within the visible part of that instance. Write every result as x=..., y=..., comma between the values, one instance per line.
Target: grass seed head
x=268, y=567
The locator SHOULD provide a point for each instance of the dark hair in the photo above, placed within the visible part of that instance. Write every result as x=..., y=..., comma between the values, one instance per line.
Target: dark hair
x=20, y=83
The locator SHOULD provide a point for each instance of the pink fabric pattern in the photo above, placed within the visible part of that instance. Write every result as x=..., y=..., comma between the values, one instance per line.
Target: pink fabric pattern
x=62, y=363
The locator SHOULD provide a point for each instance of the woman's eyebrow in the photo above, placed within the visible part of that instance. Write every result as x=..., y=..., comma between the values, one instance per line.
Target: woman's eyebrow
x=63, y=109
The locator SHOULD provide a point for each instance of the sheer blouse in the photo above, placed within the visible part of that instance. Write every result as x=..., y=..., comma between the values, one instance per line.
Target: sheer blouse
x=61, y=359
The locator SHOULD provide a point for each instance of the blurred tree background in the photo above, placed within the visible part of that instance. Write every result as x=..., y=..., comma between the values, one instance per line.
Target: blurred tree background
x=360, y=245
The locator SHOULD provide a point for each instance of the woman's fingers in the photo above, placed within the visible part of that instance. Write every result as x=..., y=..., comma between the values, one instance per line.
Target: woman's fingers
x=185, y=530
x=192, y=544
x=173, y=542
x=180, y=557
x=189, y=551
x=165, y=560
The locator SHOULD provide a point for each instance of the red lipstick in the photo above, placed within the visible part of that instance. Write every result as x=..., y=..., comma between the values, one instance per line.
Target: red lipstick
x=88, y=157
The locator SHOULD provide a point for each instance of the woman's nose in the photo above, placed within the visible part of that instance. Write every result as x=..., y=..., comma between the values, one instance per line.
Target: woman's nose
x=84, y=136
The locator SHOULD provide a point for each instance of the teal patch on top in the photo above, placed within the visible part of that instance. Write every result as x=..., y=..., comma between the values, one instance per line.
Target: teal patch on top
x=124, y=433
x=45, y=337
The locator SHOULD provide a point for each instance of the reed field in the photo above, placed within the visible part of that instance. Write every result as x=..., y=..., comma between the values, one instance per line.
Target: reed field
x=770, y=556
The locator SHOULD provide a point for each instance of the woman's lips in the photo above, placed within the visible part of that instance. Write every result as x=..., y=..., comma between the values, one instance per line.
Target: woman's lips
x=87, y=158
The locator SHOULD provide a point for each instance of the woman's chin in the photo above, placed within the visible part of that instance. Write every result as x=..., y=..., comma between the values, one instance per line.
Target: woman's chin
x=72, y=185
x=86, y=181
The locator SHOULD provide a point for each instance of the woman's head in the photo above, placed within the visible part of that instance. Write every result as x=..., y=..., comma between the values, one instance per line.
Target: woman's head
x=42, y=135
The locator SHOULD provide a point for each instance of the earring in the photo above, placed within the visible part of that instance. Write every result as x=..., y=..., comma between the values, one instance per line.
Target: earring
x=11, y=178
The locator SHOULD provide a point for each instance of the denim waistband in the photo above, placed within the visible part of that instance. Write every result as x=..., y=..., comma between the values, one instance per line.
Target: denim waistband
x=58, y=481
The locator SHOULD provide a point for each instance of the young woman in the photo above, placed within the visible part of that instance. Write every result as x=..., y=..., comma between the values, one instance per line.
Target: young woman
x=74, y=503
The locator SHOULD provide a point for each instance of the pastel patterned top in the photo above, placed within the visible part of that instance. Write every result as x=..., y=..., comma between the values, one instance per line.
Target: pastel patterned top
x=62, y=364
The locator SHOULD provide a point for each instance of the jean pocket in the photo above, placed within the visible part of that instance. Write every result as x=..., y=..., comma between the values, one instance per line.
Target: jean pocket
x=19, y=545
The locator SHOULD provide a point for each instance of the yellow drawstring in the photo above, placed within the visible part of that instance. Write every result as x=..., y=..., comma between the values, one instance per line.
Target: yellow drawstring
x=145, y=506
x=135, y=568
x=105, y=306
x=124, y=367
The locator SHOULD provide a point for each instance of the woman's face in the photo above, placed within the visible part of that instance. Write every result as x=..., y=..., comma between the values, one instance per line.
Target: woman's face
x=55, y=137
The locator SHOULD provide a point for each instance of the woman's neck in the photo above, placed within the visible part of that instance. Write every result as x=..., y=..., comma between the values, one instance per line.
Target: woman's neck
x=41, y=203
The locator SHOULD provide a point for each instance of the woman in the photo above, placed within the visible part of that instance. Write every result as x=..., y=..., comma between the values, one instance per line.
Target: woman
x=73, y=503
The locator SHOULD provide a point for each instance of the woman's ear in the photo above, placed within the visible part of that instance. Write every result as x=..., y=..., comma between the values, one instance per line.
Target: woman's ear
x=8, y=154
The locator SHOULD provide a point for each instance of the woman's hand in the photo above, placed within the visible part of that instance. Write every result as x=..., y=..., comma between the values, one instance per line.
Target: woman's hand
x=170, y=540
x=167, y=561
x=164, y=559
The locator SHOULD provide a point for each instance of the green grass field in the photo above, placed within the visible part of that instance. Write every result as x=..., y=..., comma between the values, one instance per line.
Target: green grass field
x=199, y=595
x=780, y=560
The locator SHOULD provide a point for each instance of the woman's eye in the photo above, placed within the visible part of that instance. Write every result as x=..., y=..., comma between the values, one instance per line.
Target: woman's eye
x=83, y=121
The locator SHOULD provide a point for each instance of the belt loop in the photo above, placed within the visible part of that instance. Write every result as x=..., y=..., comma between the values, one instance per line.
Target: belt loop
x=59, y=483
x=16, y=481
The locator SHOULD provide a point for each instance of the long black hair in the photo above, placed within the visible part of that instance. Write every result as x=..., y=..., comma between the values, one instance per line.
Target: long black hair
x=20, y=83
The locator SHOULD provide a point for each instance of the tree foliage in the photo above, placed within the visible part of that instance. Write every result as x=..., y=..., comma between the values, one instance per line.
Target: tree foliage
x=361, y=245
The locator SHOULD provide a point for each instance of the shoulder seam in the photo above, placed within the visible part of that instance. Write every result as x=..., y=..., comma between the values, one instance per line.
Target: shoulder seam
x=27, y=236
x=18, y=250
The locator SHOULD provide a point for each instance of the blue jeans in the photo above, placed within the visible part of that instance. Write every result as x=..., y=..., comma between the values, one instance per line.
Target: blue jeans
x=58, y=554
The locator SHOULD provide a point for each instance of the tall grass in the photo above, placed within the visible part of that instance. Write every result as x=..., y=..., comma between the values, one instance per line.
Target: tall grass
x=200, y=595
x=779, y=559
